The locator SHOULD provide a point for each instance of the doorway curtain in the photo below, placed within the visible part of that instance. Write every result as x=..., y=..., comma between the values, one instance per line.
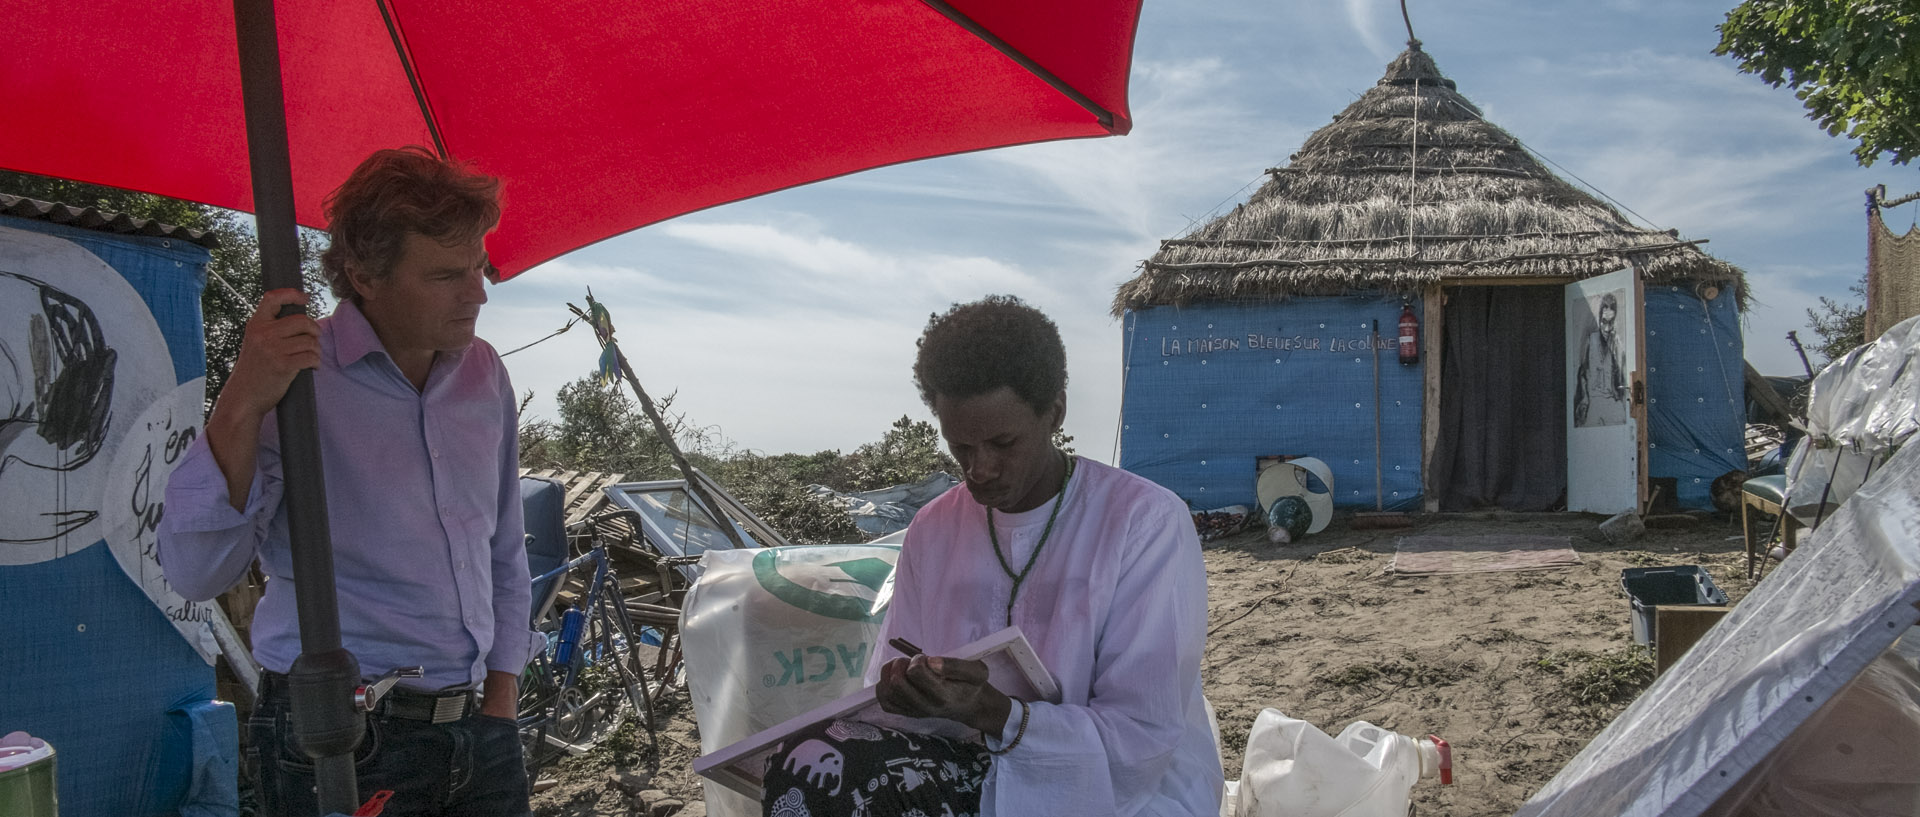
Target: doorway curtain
x=1503, y=403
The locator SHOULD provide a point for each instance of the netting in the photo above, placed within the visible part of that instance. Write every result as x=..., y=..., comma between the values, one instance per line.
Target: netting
x=1893, y=275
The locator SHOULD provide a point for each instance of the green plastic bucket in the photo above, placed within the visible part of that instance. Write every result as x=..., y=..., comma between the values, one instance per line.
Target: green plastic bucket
x=27, y=777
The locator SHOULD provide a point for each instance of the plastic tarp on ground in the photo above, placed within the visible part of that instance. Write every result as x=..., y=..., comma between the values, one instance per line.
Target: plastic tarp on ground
x=887, y=511
x=1210, y=388
x=1864, y=406
x=1835, y=605
x=1696, y=390
x=101, y=382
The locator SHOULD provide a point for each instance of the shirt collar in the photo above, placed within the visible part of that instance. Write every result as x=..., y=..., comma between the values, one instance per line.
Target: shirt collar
x=354, y=338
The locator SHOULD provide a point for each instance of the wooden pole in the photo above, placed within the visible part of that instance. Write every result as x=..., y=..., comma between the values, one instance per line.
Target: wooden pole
x=697, y=490
x=1379, y=492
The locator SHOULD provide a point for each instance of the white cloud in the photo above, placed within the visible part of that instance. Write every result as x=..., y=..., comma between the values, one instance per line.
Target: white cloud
x=1360, y=17
x=836, y=270
x=1193, y=140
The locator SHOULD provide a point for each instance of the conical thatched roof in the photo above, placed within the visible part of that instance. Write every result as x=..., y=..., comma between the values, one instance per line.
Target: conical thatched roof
x=1411, y=156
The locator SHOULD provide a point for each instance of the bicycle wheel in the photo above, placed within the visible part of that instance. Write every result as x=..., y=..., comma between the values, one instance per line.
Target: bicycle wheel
x=539, y=686
x=622, y=654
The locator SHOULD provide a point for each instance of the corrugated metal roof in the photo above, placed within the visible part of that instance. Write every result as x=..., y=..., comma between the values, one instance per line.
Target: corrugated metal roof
x=93, y=218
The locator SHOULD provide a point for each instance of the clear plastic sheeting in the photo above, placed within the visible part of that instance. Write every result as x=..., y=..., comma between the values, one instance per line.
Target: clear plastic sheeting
x=1859, y=756
x=1864, y=406
x=1775, y=661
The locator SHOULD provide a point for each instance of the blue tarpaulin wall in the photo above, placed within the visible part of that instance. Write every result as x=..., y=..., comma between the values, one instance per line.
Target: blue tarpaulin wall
x=1696, y=390
x=90, y=664
x=1209, y=388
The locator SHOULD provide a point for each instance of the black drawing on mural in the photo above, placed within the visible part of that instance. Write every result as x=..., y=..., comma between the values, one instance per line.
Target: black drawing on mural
x=56, y=391
x=1600, y=393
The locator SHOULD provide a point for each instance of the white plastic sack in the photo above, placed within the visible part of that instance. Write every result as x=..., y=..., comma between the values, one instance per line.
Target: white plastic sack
x=1292, y=769
x=769, y=633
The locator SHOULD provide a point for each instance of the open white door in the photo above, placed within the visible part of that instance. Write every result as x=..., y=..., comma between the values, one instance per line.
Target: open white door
x=1606, y=398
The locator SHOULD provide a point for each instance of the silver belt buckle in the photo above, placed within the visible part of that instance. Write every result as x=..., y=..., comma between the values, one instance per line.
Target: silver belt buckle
x=450, y=708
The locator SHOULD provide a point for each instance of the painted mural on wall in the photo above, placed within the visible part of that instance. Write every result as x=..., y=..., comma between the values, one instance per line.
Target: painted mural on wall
x=133, y=502
x=80, y=356
x=91, y=421
x=1601, y=382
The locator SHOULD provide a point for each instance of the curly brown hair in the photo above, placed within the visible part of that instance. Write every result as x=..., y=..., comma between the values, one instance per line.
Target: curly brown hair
x=996, y=341
x=396, y=192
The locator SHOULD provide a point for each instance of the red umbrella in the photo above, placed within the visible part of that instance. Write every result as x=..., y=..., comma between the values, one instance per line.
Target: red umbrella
x=600, y=118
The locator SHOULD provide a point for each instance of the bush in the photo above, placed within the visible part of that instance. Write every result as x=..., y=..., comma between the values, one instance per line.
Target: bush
x=769, y=488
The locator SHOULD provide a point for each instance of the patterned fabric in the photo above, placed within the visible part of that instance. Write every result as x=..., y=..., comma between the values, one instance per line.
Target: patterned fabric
x=850, y=769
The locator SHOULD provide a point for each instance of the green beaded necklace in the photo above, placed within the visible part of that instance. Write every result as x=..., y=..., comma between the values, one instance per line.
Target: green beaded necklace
x=994, y=538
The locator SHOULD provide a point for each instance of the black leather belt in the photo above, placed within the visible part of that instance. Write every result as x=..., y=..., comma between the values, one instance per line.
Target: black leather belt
x=445, y=706
x=433, y=707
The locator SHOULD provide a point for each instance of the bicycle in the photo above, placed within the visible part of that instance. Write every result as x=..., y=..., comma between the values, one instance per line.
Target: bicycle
x=574, y=693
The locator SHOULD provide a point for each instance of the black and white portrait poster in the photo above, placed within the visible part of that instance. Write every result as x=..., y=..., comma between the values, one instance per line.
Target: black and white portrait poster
x=1601, y=376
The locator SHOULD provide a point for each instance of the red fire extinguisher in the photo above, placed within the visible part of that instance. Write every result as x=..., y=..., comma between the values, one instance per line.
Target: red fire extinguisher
x=1409, y=337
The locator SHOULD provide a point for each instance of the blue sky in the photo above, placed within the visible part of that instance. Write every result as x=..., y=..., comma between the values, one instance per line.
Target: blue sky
x=787, y=322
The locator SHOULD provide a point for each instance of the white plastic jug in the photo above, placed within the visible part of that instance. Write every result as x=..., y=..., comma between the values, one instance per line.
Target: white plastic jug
x=1292, y=769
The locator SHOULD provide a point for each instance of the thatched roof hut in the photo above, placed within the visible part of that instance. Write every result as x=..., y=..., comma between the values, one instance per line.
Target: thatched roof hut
x=1552, y=354
x=1409, y=187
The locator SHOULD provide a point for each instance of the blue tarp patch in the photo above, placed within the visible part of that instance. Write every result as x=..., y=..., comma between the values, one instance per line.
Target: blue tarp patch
x=92, y=666
x=1696, y=390
x=1209, y=388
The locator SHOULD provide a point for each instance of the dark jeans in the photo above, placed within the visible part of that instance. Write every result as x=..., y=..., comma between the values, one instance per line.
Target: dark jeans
x=469, y=767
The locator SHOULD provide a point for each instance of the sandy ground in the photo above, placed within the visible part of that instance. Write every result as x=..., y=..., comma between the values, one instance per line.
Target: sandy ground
x=1517, y=670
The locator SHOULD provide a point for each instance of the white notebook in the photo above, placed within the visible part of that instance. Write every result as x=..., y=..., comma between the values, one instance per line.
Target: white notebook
x=1012, y=667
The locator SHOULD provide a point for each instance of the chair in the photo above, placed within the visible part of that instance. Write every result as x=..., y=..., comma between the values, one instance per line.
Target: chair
x=1766, y=495
x=543, y=502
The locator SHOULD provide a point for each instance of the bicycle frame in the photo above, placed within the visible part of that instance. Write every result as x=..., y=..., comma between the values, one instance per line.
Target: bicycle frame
x=612, y=629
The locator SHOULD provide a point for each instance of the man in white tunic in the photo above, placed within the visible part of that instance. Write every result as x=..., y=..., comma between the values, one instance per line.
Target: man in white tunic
x=1101, y=570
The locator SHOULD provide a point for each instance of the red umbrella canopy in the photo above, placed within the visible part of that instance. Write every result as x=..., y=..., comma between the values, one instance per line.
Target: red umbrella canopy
x=600, y=117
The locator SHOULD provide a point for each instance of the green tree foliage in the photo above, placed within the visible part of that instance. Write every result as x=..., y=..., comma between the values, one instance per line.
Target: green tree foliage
x=908, y=452
x=1854, y=63
x=601, y=429
x=1841, y=325
x=233, y=273
x=778, y=493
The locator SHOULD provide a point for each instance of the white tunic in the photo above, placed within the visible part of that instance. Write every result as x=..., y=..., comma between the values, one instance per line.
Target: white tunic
x=1117, y=608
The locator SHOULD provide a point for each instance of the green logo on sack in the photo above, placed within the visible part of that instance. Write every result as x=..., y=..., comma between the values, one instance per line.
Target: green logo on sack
x=849, y=585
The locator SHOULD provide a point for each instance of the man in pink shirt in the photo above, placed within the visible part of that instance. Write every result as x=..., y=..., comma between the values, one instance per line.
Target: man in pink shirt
x=418, y=436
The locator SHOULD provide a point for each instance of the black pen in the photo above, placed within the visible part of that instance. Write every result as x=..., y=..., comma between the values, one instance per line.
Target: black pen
x=905, y=647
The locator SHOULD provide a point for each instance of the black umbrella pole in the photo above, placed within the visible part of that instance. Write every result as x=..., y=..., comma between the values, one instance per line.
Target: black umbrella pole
x=326, y=724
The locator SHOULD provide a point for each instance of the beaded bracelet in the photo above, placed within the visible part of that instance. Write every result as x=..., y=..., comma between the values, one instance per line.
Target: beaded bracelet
x=1025, y=712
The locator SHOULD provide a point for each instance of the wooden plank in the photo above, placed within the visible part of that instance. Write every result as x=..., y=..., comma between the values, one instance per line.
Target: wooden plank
x=1677, y=629
x=1760, y=391
x=1511, y=281
x=1432, y=334
x=1639, y=407
x=577, y=489
x=758, y=528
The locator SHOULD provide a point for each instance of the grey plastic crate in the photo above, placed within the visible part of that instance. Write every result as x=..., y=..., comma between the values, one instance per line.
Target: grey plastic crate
x=1677, y=586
